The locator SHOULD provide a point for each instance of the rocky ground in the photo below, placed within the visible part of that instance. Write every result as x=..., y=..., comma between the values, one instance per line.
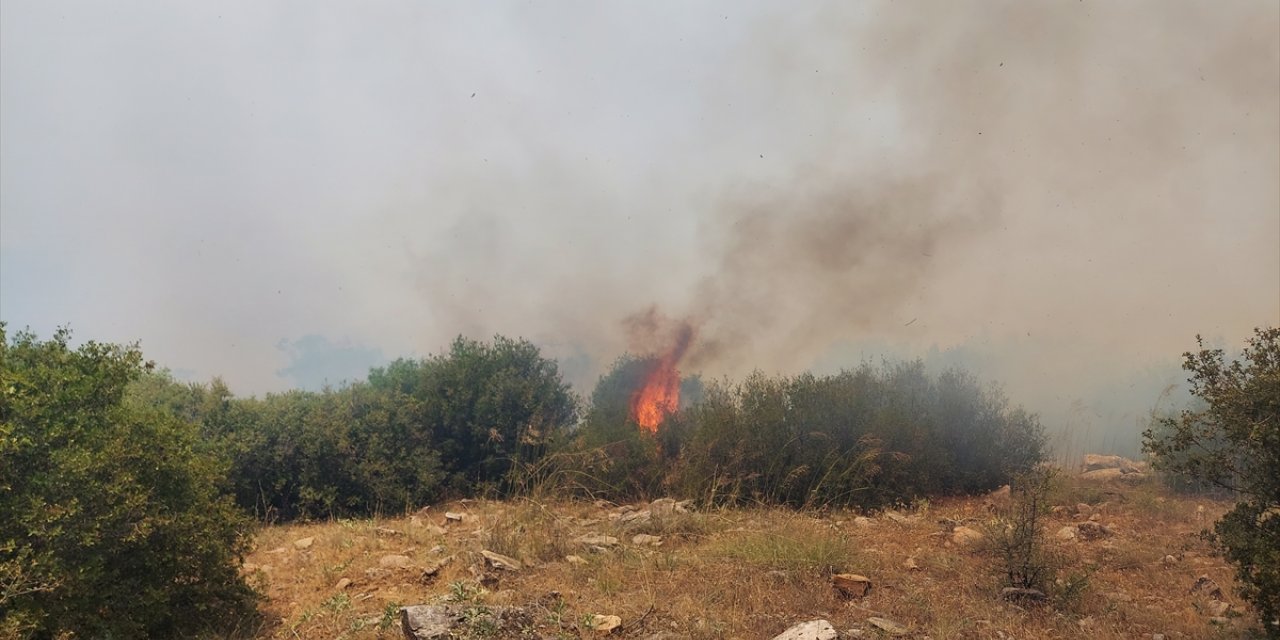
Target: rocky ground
x=1130, y=564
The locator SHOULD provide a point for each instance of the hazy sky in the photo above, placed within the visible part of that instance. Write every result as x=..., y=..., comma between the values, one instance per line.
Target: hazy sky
x=282, y=193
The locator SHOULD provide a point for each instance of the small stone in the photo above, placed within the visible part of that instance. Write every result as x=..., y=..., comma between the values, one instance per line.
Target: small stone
x=1092, y=531
x=499, y=561
x=384, y=531
x=1169, y=560
x=1066, y=533
x=1157, y=636
x=888, y=626
x=597, y=539
x=303, y=543
x=453, y=516
x=431, y=572
x=572, y=559
x=342, y=584
x=394, y=561
x=1085, y=622
x=436, y=550
x=1084, y=509
x=636, y=516
x=1218, y=608
x=811, y=630
x=605, y=624
x=851, y=585
x=862, y=522
x=644, y=539
x=1219, y=620
x=910, y=564
x=663, y=507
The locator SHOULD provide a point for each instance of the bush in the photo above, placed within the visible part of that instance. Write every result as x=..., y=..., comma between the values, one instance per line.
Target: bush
x=1234, y=443
x=114, y=525
x=1017, y=538
x=415, y=432
x=868, y=438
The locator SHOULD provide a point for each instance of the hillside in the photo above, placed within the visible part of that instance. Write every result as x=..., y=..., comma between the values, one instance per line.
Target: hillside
x=667, y=571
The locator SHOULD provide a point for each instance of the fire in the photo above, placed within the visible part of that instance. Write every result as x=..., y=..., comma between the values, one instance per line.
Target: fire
x=658, y=397
x=659, y=393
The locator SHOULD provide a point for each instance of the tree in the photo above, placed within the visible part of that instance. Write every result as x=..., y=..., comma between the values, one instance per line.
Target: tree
x=1234, y=443
x=114, y=523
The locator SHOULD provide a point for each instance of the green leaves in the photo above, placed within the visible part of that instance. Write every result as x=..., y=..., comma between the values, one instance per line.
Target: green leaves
x=1233, y=443
x=113, y=522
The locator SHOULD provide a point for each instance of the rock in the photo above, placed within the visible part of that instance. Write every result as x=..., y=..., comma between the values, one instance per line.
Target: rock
x=663, y=507
x=441, y=621
x=1102, y=475
x=394, y=561
x=436, y=550
x=342, y=584
x=304, y=543
x=1090, y=530
x=1084, y=510
x=1218, y=608
x=811, y=630
x=384, y=531
x=453, y=516
x=901, y=519
x=597, y=539
x=862, y=522
x=1066, y=533
x=1097, y=517
x=644, y=539
x=636, y=516
x=1157, y=636
x=888, y=626
x=684, y=506
x=851, y=585
x=430, y=573
x=963, y=536
x=910, y=564
x=429, y=622
x=499, y=561
x=1059, y=510
x=605, y=624
x=1219, y=620
x=1169, y=560
x=1014, y=594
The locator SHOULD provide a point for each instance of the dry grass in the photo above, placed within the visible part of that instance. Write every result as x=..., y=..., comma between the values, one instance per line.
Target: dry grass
x=747, y=573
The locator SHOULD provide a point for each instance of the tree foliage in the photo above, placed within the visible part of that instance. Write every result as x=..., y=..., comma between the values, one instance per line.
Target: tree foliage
x=866, y=437
x=114, y=524
x=1233, y=442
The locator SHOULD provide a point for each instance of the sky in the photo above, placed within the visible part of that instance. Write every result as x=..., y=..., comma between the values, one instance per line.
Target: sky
x=1060, y=196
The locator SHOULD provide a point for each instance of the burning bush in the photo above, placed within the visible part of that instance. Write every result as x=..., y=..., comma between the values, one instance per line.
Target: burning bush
x=867, y=437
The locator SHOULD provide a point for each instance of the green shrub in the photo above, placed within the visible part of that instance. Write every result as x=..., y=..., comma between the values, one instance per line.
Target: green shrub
x=868, y=437
x=1233, y=443
x=114, y=524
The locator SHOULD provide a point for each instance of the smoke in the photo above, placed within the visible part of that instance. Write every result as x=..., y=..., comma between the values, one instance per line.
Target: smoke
x=1078, y=172
x=1057, y=195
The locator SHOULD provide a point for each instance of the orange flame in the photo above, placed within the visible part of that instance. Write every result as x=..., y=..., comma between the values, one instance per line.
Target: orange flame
x=658, y=397
x=659, y=394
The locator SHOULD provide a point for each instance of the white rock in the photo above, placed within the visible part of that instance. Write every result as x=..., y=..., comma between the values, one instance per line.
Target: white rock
x=303, y=543
x=394, y=561
x=499, y=561
x=888, y=626
x=605, y=624
x=811, y=630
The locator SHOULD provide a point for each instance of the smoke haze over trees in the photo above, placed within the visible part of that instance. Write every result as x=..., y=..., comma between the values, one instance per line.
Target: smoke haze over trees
x=1053, y=190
